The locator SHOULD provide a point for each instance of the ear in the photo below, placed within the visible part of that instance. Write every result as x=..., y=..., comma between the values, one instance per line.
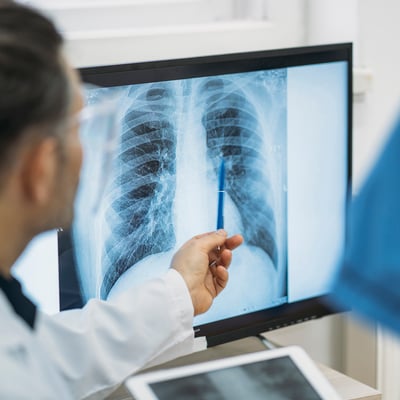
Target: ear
x=39, y=171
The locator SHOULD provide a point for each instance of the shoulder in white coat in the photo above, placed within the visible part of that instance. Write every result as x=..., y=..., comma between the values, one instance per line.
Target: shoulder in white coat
x=88, y=352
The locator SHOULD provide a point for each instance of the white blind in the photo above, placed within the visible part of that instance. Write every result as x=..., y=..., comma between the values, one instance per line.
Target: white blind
x=88, y=15
x=102, y=32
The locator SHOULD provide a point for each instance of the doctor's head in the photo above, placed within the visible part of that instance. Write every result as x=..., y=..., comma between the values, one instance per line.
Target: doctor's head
x=40, y=150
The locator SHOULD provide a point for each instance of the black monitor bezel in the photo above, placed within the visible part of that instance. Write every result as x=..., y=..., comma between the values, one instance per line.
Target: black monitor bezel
x=118, y=75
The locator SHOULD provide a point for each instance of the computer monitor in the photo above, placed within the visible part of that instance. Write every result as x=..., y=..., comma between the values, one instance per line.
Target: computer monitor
x=281, y=122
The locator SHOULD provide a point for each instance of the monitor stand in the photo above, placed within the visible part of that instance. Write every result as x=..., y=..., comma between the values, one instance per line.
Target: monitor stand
x=268, y=344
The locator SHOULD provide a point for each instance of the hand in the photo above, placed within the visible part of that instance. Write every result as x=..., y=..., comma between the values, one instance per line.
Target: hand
x=193, y=259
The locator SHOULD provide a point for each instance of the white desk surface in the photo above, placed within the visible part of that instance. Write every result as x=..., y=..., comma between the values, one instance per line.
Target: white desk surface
x=347, y=388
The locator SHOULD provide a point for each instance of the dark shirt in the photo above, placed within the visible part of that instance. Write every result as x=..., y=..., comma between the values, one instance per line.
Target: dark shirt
x=19, y=302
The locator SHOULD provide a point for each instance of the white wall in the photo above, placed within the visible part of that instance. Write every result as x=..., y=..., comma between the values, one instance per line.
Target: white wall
x=380, y=51
x=225, y=35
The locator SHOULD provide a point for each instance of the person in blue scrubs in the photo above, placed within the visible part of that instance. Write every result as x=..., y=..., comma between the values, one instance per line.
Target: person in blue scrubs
x=368, y=280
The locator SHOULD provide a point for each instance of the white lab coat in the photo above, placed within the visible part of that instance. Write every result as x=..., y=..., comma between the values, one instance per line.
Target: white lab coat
x=87, y=353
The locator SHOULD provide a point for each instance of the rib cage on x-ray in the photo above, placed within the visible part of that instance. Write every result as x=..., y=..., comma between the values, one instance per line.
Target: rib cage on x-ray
x=234, y=133
x=140, y=218
x=140, y=214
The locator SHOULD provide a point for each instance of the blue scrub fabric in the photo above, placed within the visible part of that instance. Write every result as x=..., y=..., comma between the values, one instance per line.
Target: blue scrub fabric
x=369, y=278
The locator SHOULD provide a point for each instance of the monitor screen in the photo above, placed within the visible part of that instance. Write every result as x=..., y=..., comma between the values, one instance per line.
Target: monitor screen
x=280, y=123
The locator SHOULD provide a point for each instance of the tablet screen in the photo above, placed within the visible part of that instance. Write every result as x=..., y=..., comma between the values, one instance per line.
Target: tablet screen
x=273, y=379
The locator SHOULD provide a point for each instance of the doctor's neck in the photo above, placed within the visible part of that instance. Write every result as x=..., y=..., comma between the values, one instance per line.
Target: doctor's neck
x=18, y=219
x=13, y=238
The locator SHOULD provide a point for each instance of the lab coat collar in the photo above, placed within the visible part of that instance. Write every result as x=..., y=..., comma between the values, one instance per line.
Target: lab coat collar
x=21, y=305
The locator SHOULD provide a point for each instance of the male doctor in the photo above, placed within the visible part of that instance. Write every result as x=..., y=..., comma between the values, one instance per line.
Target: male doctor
x=80, y=353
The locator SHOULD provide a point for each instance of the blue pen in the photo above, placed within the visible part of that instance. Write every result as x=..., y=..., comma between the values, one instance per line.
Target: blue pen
x=220, y=212
x=221, y=193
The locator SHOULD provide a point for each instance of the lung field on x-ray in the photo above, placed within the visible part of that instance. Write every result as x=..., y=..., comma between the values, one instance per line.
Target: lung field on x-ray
x=139, y=215
x=235, y=117
x=234, y=133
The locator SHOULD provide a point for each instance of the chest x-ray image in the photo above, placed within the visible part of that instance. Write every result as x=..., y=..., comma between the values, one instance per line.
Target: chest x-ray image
x=164, y=185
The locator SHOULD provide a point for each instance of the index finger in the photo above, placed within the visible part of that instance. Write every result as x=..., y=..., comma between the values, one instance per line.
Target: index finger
x=233, y=242
x=211, y=240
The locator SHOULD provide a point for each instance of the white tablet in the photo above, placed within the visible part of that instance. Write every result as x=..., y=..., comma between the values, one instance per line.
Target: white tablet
x=279, y=374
